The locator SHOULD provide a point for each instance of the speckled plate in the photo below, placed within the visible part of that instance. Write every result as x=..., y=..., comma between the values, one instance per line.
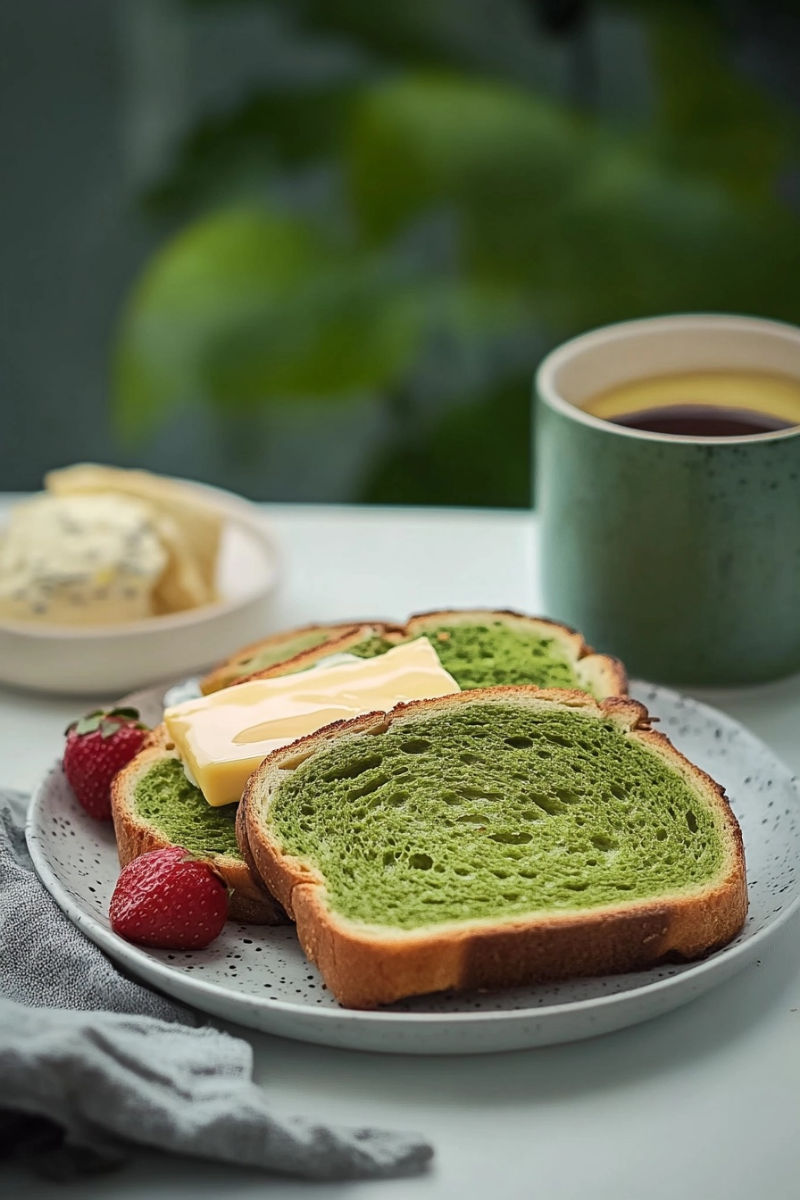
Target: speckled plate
x=259, y=977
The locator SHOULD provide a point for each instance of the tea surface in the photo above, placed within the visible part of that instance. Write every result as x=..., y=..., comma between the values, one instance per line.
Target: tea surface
x=701, y=420
x=703, y=403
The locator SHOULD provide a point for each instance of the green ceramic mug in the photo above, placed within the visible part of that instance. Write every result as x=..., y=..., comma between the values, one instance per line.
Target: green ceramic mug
x=679, y=554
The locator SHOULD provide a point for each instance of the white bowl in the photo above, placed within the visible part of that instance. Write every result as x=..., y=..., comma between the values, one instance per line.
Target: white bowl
x=112, y=659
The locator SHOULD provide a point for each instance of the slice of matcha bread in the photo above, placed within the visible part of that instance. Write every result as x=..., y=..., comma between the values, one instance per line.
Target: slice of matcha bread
x=479, y=647
x=154, y=805
x=493, y=838
x=487, y=648
x=297, y=649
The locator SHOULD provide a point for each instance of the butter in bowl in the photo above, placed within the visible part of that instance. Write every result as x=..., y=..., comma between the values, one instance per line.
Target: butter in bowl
x=110, y=579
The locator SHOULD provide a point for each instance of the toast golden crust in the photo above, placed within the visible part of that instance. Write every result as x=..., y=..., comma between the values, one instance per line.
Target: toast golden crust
x=365, y=966
x=250, y=901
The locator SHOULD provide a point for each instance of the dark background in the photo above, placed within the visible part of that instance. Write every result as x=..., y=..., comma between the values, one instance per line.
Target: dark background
x=313, y=250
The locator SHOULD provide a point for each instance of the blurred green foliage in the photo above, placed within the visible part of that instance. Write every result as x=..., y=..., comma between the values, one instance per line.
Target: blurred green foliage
x=421, y=226
x=251, y=303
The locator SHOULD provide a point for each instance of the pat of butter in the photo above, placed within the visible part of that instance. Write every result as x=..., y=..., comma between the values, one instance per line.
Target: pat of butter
x=223, y=737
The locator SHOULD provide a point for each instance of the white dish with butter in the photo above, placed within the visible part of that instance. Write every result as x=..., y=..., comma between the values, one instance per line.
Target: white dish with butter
x=80, y=560
x=111, y=658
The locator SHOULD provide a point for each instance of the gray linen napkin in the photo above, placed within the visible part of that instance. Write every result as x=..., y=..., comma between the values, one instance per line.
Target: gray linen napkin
x=91, y=1062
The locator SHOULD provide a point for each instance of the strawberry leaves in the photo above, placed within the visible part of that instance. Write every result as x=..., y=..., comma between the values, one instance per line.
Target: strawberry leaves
x=107, y=722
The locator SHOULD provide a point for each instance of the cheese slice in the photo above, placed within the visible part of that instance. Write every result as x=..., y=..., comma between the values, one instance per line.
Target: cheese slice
x=222, y=738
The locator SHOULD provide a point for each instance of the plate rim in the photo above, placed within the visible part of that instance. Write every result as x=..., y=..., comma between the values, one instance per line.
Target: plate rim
x=737, y=955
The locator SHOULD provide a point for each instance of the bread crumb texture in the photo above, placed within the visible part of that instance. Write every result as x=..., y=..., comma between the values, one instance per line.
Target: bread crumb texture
x=492, y=654
x=166, y=799
x=372, y=647
x=489, y=811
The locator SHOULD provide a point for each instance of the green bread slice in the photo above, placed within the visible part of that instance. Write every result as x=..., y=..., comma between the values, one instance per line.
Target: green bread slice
x=490, y=648
x=493, y=838
x=154, y=806
x=479, y=647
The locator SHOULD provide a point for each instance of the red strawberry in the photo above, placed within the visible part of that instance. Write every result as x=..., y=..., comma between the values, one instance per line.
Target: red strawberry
x=168, y=899
x=98, y=746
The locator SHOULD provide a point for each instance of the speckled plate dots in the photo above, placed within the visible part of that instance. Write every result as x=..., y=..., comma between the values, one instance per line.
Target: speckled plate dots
x=260, y=977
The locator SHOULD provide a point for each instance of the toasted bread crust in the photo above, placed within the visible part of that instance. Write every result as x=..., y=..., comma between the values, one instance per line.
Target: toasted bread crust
x=250, y=901
x=365, y=966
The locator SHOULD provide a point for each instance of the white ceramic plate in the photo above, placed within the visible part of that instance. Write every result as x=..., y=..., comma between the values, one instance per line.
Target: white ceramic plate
x=259, y=976
x=114, y=659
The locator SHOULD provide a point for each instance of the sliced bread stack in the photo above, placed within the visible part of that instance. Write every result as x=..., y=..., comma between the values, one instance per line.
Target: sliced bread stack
x=155, y=805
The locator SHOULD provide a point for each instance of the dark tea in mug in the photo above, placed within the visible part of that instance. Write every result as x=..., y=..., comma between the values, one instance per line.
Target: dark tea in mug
x=703, y=404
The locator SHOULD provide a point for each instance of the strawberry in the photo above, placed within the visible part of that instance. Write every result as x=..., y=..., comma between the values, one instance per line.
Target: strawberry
x=168, y=899
x=98, y=746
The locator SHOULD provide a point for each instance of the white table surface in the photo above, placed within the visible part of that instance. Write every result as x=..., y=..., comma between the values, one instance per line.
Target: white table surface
x=701, y=1104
